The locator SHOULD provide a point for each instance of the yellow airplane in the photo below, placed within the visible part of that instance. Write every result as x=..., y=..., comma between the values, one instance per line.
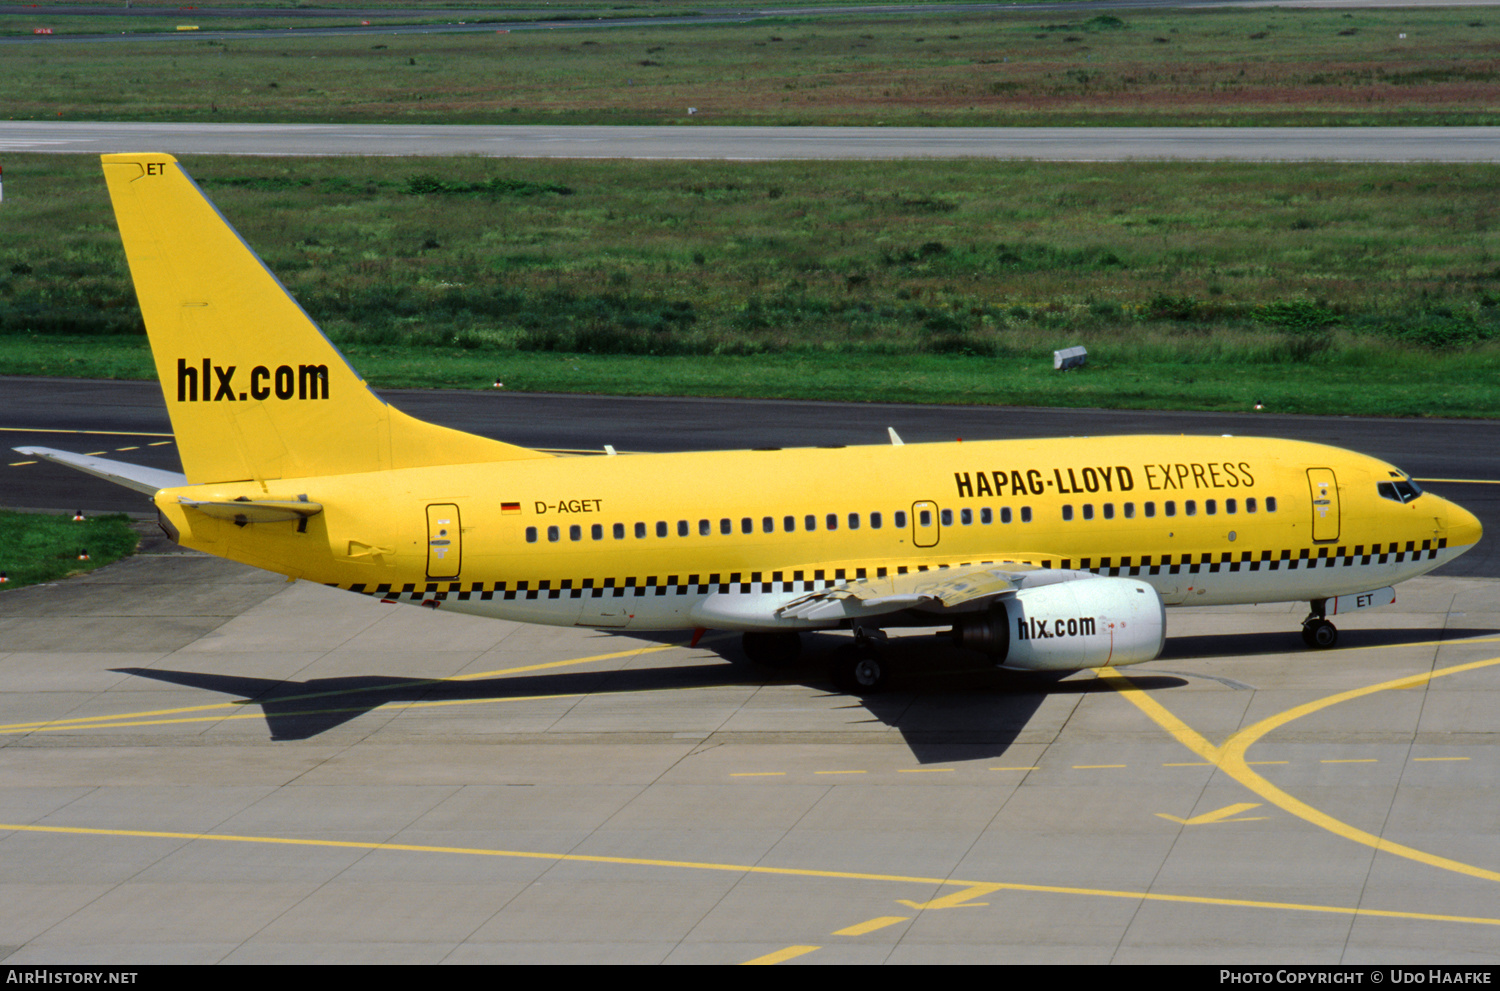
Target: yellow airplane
x=1044, y=554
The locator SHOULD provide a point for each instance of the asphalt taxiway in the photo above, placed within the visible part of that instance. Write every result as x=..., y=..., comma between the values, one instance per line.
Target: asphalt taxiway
x=203, y=763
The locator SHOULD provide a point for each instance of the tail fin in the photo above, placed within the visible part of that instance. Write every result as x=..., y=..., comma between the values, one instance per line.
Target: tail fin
x=254, y=389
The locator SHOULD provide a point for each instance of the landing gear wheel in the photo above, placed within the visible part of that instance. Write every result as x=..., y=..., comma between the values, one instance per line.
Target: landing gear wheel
x=1319, y=634
x=774, y=650
x=859, y=670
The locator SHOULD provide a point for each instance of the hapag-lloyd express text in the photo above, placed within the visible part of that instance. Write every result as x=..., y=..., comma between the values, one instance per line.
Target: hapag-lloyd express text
x=1000, y=483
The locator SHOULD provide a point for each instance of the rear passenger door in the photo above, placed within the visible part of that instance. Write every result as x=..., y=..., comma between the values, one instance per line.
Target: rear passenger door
x=444, y=547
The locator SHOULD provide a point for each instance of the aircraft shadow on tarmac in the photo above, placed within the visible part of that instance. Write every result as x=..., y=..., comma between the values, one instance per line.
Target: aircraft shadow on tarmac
x=946, y=703
x=948, y=710
x=1257, y=644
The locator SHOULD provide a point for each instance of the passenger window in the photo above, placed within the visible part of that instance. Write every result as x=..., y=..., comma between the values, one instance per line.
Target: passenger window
x=789, y=523
x=947, y=517
x=640, y=531
x=1191, y=507
x=986, y=515
x=597, y=531
x=810, y=523
x=1211, y=506
x=661, y=528
x=900, y=519
x=1025, y=514
x=726, y=526
x=854, y=521
x=554, y=534
x=575, y=532
x=531, y=535
x=1088, y=510
x=1270, y=504
x=926, y=517
x=1150, y=510
x=767, y=524
x=1109, y=510
x=1130, y=510
x=1169, y=508
x=1229, y=506
x=833, y=521
x=1004, y=514
x=875, y=521
x=1250, y=504
x=966, y=516
x=1067, y=513
x=704, y=528
x=682, y=528
x=747, y=525
x=619, y=531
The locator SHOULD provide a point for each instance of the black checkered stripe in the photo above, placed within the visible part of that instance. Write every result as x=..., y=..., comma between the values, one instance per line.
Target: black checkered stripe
x=1303, y=559
x=797, y=581
x=594, y=588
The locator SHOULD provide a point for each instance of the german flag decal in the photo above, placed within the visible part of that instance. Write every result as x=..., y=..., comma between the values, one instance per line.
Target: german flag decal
x=506, y=508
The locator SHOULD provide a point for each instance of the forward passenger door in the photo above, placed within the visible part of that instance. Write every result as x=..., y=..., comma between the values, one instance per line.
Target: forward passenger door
x=1325, y=503
x=926, y=529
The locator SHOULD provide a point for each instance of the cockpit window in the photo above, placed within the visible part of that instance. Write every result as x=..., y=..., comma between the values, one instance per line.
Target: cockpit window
x=1403, y=491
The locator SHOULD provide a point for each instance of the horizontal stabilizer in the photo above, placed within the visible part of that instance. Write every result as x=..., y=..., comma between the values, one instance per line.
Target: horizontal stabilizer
x=244, y=511
x=138, y=477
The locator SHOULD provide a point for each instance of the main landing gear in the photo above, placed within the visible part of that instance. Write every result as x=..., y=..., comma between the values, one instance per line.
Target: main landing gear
x=772, y=650
x=859, y=668
x=1317, y=632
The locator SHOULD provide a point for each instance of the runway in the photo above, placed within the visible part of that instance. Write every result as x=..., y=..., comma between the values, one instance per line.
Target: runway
x=1060, y=144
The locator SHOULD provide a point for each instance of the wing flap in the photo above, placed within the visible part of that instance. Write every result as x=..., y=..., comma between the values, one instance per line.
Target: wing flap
x=964, y=588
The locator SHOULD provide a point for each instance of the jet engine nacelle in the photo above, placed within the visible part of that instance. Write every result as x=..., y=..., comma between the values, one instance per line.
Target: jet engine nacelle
x=1071, y=625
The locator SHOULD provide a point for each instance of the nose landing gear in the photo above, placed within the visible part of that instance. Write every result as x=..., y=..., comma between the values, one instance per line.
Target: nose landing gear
x=1317, y=632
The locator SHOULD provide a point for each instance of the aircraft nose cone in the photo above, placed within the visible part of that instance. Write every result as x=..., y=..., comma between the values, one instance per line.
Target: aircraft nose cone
x=1464, y=528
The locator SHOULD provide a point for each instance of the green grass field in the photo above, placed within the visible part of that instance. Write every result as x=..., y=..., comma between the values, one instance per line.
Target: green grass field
x=1317, y=288
x=1261, y=66
x=37, y=548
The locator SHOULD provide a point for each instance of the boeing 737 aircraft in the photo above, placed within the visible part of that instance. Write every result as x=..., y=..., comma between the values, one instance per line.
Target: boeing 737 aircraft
x=1054, y=554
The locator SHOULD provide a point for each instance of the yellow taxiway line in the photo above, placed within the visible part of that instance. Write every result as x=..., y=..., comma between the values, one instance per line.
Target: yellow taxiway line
x=961, y=898
x=1229, y=757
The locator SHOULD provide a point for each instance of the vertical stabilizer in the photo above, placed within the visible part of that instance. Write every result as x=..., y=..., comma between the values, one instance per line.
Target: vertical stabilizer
x=254, y=389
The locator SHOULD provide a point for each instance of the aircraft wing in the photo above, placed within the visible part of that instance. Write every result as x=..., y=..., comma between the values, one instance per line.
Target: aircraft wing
x=966, y=588
x=138, y=477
